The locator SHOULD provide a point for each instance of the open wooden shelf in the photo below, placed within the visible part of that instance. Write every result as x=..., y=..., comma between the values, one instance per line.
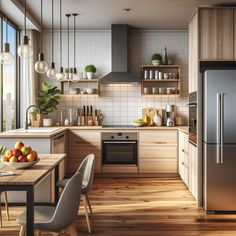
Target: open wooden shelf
x=95, y=83
x=172, y=70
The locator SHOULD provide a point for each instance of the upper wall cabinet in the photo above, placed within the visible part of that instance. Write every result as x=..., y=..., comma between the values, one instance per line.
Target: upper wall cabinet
x=212, y=36
x=216, y=34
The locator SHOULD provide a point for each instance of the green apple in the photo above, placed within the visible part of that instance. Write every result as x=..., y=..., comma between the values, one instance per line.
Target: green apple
x=25, y=150
x=13, y=159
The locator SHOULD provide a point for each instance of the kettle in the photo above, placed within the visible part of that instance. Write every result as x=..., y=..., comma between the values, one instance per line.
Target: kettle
x=170, y=122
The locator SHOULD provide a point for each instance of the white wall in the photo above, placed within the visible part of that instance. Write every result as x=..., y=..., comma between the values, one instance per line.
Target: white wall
x=121, y=104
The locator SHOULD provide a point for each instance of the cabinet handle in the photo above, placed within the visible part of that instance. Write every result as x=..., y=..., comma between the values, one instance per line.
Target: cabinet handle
x=182, y=163
x=182, y=150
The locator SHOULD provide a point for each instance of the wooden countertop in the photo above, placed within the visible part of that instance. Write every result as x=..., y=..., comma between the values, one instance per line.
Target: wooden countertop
x=16, y=133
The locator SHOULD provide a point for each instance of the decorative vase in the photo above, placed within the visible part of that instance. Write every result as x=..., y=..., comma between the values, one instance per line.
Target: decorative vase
x=165, y=60
x=156, y=62
x=90, y=75
x=47, y=122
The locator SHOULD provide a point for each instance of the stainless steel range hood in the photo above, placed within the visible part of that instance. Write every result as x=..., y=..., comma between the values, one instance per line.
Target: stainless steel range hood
x=119, y=62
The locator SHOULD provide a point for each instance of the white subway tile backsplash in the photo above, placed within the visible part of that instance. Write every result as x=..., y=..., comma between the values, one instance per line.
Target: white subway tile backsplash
x=122, y=103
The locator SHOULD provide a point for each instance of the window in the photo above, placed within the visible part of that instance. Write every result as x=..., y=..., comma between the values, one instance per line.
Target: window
x=8, y=79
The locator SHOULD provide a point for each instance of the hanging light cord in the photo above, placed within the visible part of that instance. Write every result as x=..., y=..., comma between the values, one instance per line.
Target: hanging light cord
x=68, y=32
x=60, y=38
x=6, y=30
x=25, y=17
x=74, y=41
x=52, y=31
x=41, y=23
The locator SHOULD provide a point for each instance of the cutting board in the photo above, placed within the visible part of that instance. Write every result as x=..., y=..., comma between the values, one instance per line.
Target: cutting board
x=150, y=112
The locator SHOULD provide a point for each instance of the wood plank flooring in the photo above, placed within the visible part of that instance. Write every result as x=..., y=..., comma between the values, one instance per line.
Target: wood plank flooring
x=142, y=207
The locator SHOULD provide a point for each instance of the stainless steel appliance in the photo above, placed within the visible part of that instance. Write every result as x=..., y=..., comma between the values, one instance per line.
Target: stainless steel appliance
x=170, y=115
x=119, y=148
x=219, y=136
x=193, y=118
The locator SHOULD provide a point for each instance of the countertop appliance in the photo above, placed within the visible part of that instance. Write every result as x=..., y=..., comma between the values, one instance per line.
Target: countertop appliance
x=170, y=115
x=193, y=118
x=119, y=148
x=219, y=136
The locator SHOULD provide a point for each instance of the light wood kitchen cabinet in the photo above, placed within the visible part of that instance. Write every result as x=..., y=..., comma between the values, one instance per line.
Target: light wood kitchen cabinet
x=193, y=54
x=58, y=146
x=193, y=170
x=80, y=144
x=183, y=160
x=211, y=37
x=216, y=34
x=158, y=151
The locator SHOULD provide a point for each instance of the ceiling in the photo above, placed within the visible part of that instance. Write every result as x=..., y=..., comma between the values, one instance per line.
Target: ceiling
x=100, y=14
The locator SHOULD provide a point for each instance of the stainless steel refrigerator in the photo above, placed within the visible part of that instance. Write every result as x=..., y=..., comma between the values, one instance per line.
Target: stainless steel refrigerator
x=219, y=139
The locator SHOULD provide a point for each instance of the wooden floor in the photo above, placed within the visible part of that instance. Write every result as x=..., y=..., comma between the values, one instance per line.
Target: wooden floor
x=143, y=207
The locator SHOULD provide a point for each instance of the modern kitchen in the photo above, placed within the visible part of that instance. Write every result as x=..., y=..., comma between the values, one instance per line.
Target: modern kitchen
x=116, y=117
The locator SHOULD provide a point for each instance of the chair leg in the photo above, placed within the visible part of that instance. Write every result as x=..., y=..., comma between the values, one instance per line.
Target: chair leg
x=89, y=205
x=72, y=230
x=38, y=232
x=6, y=205
x=22, y=230
x=86, y=213
x=0, y=213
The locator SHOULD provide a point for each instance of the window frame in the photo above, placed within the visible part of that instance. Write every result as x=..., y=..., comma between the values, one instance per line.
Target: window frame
x=17, y=78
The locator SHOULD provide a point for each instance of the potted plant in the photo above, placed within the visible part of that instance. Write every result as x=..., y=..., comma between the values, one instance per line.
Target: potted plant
x=90, y=70
x=156, y=59
x=48, y=101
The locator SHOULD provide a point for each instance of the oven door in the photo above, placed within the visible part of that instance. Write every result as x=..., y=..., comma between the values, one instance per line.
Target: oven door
x=119, y=152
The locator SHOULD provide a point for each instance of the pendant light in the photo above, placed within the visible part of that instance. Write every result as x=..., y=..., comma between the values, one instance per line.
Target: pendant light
x=25, y=51
x=60, y=74
x=68, y=38
x=75, y=75
x=41, y=66
x=51, y=73
x=6, y=57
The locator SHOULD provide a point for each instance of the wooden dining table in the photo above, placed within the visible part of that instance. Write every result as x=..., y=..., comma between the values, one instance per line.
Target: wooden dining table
x=27, y=179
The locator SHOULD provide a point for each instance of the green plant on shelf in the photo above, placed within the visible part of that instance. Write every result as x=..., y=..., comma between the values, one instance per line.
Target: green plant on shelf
x=90, y=68
x=156, y=57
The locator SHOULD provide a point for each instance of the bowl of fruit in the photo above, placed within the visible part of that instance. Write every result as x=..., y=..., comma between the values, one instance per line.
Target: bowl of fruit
x=20, y=157
x=138, y=123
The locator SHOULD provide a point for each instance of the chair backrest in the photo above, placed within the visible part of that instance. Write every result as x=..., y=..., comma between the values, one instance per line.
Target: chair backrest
x=68, y=205
x=87, y=170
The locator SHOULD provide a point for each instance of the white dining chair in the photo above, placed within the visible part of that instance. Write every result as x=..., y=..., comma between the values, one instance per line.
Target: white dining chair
x=61, y=217
x=86, y=168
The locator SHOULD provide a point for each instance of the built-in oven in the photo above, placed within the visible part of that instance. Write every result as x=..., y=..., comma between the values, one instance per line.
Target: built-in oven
x=119, y=148
x=193, y=118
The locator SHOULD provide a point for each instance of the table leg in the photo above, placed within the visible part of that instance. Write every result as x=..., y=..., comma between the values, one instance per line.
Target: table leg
x=56, y=187
x=30, y=210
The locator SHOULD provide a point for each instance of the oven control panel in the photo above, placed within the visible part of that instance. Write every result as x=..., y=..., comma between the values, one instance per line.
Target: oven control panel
x=119, y=136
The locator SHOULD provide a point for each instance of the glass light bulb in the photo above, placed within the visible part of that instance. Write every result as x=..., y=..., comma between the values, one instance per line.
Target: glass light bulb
x=60, y=76
x=41, y=66
x=25, y=51
x=75, y=77
x=7, y=58
x=51, y=73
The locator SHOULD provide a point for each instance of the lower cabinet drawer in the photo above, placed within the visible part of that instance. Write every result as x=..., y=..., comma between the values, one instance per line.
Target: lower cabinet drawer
x=157, y=151
x=75, y=163
x=158, y=165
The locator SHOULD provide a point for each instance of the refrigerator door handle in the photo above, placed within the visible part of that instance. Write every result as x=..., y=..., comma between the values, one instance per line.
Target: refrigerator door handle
x=222, y=129
x=218, y=128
